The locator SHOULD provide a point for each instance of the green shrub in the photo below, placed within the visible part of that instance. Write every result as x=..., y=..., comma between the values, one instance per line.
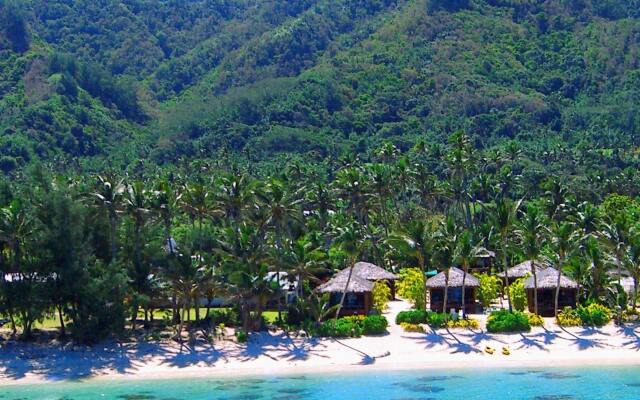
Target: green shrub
x=411, y=327
x=436, y=320
x=489, y=289
x=535, y=320
x=568, y=317
x=242, y=336
x=228, y=317
x=505, y=321
x=411, y=317
x=594, y=315
x=468, y=323
x=630, y=315
x=381, y=295
x=343, y=327
x=411, y=286
x=518, y=295
x=374, y=325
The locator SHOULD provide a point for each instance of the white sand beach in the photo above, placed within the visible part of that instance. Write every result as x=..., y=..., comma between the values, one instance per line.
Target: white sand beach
x=277, y=353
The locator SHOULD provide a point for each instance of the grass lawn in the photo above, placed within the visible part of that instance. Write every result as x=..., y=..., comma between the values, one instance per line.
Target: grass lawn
x=53, y=322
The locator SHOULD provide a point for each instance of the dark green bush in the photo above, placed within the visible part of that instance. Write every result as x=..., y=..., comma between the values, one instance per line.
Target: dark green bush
x=594, y=315
x=436, y=320
x=242, y=336
x=374, y=325
x=411, y=317
x=229, y=317
x=343, y=327
x=505, y=321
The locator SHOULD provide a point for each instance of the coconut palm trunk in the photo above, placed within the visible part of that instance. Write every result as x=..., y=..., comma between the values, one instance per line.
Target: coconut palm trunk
x=465, y=268
x=344, y=292
x=535, y=287
x=557, y=294
x=506, y=274
x=446, y=294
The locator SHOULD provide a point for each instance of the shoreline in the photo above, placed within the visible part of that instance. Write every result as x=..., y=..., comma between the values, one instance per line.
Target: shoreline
x=278, y=354
x=154, y=368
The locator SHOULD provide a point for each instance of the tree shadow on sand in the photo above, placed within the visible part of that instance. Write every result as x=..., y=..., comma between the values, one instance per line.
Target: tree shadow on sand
x=447, y=338
x=631, y=332
x=18, y=360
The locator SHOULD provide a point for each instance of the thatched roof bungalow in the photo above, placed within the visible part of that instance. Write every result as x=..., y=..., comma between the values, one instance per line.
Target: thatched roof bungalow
x=359, y=299
x=523, y=270
x=547, y=284
x=436, y=286
x=369, y=272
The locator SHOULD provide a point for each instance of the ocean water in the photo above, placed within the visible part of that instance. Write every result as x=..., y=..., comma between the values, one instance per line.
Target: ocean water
x=593, y=383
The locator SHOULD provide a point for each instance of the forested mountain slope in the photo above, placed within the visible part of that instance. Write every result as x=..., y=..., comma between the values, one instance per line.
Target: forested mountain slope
x=111, y=81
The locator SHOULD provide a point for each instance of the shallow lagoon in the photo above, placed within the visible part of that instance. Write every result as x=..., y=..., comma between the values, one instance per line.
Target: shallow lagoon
x=495, y=384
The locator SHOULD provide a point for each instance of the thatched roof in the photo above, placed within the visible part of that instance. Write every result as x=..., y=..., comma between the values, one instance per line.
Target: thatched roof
x=369, y=272
x=339, y=281
x=548, y=279
x=455, y=279
x=524, y=269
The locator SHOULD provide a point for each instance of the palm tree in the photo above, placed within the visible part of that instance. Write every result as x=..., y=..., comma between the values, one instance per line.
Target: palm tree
x=445, y=253
x=245, y=263
x=304, y=261
x=195, y=201
x=598, y=279
x=320, y=197
x=416, y=240
x=503, y=215
x=351, y=187
x=633, y=263
x=164, y=202
x=135, y=204
x=185, y=275
x=108, y=195
x=556, y=194
x=616, y=236
x=532, y=236
x=380, y=175
x=16, y=226
x=460, y=164
x=350, y=242
x=563, y=239
x=467, y=251
x=281, y=209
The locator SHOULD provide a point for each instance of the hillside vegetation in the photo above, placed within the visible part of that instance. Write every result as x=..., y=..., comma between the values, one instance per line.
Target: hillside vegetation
x=88, y=84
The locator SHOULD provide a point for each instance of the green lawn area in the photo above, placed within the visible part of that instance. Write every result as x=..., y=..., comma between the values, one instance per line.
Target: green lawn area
x=53, y=322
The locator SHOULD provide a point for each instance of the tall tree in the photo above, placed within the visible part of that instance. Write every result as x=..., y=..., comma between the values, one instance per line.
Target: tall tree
x=564, y=242
x=532, y=236
x=503, y=214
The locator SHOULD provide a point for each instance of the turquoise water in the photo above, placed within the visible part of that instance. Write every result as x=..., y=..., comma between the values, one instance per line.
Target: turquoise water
x=511, y=384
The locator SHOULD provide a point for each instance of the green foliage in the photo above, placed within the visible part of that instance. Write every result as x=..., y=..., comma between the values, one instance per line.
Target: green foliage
x=381, y=295
x=343, y=327
x=568, y=317
x=354, y=326
x=228, y=317
x=436, y=320
x=242, y=336
x=535, y=320
x=374, y=325
x=594, y=315
x=489, y=289
x=411, y=317
x=505, y=321
x=518, y=294
x=13, y=26
x=468, y=323
x=409, y=327
x=410, y=286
